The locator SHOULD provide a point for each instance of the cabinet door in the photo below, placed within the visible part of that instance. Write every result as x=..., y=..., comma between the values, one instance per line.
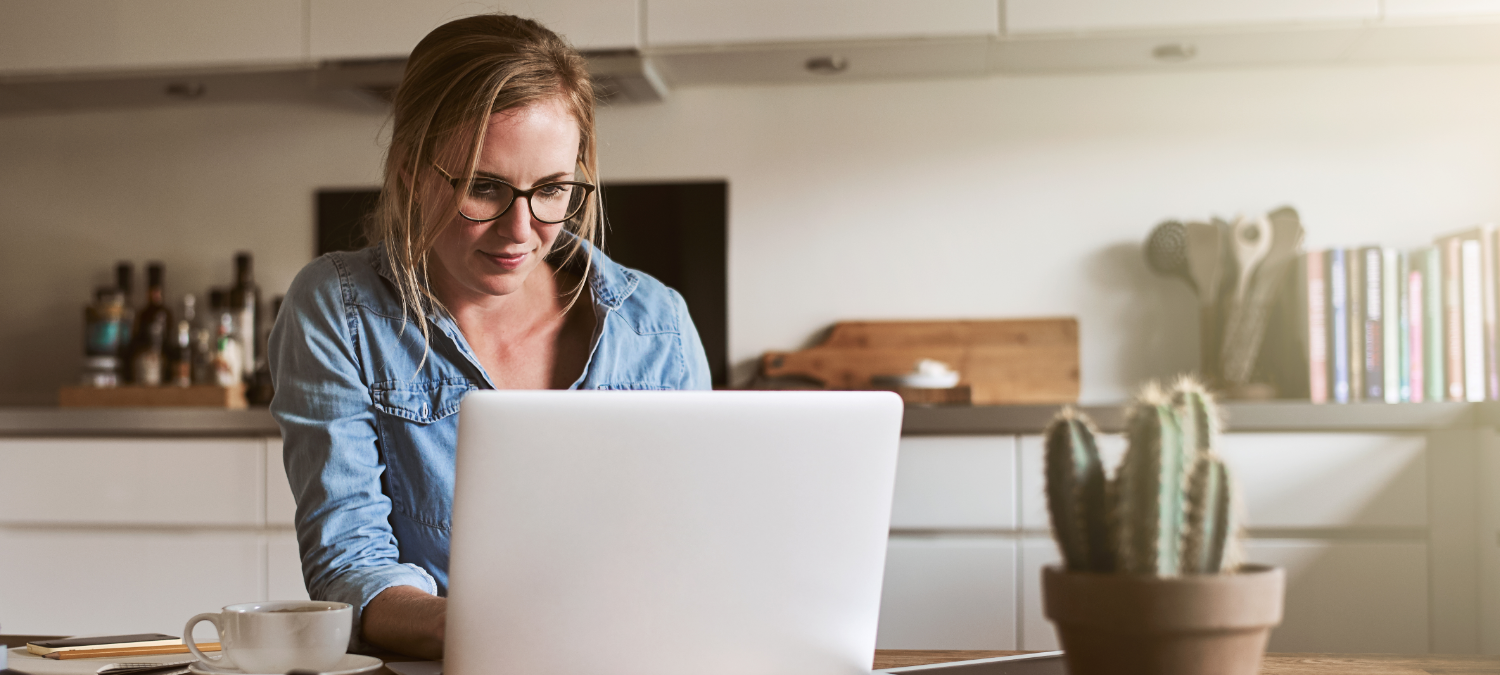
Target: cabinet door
x=1341, y=596
x=284, y=567
x=1061, y=16
x=949, y=593
x=955, y=482
x=132, y=481
x=1454, y=9
x=99, y=35
x=1292, y=480
x=715, y=22
x=358, y=29
x=61, y=582
x=281, y=506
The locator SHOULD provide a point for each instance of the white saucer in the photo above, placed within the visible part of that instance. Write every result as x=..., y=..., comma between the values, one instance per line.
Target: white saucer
x=348, y=665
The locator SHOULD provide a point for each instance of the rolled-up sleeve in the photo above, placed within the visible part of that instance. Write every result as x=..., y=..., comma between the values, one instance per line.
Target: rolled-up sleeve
x=332, y=453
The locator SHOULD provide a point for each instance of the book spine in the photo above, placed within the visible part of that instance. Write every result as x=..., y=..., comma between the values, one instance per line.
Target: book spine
x=1453, y=323
x=1488, y=242
x=1390, y=325
x=1434, y=340
x=1356, y=320
x=1401, y=289
x=1473, y=320
x=1374, y=323
x=1338, y=323
x=1411, y=317
x=1317, y=327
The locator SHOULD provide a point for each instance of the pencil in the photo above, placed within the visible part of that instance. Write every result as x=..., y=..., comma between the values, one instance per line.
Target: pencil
x=130, y=651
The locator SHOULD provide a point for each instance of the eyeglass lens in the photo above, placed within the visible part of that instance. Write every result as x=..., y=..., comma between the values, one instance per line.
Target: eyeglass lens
x=551, y=203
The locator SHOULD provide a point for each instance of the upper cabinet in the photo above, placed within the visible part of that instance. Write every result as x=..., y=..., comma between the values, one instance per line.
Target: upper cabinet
x=62, y=36
x=1421, y=9
x=1065, y=16
x=681, y=23
x=376, y=29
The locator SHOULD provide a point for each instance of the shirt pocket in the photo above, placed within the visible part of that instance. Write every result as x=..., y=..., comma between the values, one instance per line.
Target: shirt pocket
x=421, y=402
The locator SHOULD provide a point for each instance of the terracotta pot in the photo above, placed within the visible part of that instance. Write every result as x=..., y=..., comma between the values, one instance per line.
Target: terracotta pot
x=1125, y=624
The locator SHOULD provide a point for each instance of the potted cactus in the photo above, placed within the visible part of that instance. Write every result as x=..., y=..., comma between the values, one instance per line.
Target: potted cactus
x=1151, y=580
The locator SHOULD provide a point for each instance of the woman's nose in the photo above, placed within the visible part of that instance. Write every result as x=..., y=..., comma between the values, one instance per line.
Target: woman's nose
x=515, y=223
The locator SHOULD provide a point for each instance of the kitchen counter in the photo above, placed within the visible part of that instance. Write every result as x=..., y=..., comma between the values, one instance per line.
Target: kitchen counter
x=919, y=421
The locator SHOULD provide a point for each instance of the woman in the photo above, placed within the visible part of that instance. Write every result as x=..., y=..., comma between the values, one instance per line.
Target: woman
x=482, y=276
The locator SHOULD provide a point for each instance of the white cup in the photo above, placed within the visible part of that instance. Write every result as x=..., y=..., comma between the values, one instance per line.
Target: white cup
x=274, y=637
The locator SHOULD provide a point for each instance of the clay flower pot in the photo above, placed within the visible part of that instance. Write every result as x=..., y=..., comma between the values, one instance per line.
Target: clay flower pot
x=1126, y=624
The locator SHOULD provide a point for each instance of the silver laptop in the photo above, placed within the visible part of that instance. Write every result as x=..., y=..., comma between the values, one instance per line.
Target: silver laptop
x=670, y=533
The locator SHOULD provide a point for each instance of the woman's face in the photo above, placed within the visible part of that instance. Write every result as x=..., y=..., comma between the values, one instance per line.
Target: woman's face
x=524, y=147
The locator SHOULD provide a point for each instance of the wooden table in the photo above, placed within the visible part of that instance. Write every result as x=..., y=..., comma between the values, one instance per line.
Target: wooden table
x=1275, y=664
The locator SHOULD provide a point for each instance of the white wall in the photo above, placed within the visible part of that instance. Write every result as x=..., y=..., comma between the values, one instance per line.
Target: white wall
x=1002, y=197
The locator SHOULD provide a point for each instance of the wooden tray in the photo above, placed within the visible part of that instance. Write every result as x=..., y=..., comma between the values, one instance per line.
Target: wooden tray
x=232, y=398
x=1001, y=361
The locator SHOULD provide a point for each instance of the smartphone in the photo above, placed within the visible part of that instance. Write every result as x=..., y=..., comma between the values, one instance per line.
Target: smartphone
x=1040, y=663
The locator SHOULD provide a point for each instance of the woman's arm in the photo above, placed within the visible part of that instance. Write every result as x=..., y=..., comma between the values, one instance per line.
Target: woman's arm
x=407, y=620
x=332, y=454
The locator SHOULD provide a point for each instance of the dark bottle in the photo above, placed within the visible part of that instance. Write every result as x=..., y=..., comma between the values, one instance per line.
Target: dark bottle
x=151, y=350
x=125, y=285
x=244, y=301
x=183, y=345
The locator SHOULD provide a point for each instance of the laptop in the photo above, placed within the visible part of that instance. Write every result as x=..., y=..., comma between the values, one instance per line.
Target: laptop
x=669, y=533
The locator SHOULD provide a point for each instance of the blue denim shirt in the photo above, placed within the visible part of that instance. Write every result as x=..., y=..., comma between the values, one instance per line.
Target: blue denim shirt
x=369, y=426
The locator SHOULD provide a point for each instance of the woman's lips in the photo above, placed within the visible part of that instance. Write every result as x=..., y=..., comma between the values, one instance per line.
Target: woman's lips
x=507, y=261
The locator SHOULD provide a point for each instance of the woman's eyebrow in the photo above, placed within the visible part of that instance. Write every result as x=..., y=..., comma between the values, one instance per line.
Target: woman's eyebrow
x=545, y=179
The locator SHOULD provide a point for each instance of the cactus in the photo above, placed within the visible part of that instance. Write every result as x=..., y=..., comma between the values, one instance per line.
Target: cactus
x=1075, y=494
x=1171, y=508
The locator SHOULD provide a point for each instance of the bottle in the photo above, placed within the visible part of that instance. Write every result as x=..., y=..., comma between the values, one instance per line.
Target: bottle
x=244, y=301
x=261, y=390
x=101, y=343
x=124, y=285
x=229, y=363
x=151, y=347
x=182, y=357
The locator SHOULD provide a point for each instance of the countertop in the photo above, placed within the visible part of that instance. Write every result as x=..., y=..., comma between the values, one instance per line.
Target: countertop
x=920, y=420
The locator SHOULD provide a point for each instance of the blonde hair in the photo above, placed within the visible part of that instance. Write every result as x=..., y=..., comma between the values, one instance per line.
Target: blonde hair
x=460, y=74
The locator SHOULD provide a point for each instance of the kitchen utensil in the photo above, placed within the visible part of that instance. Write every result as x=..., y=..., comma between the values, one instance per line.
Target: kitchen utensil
x=1166, y=250
x=1002, y=361
x=1205, y=255
x=1246, y=327
x=1252, y=240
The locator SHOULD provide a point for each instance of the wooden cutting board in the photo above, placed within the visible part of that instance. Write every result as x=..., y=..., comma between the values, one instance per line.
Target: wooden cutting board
x=1002, y=361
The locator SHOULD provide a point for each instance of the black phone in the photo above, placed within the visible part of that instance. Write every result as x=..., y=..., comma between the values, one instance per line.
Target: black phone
x=1040, y=663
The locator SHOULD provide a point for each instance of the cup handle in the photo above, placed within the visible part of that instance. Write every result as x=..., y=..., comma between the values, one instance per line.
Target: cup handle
x=192, y=645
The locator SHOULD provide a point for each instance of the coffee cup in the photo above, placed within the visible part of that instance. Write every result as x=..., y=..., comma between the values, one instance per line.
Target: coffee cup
x=274, y=637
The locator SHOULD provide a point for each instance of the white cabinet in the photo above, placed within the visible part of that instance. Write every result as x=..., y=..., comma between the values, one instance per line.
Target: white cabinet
x=69, y=582
x=123, y=481
x=948, y=593
x=672, y=23
x=362, y=29
x=281, y=506
x=1065, y=16
x=284, y=568
x=1415, y=9
x=59, y=36
x=955, y=482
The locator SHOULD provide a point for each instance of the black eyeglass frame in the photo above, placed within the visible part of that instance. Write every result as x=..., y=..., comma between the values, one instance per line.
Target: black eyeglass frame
x=516, y=193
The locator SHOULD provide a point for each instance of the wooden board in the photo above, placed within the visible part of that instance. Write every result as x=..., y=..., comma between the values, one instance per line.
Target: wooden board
x=232, y=398
x=1001, y=361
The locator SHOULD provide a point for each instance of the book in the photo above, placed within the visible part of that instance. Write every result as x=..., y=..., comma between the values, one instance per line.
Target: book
x=1372, y=265
x=1434, y=343
x=1390, y=325
x=1413, y=386
x=1338, y=324
x=106, y=642
x=1355, y=262
x=1453, y=329
x=1316, y=294
x=1487, y=252
x=1473, y=319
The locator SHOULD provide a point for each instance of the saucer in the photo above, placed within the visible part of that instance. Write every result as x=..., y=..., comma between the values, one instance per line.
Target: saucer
x=348, y=665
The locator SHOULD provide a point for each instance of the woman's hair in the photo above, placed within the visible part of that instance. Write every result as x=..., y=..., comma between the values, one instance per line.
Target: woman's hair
x=457, y=76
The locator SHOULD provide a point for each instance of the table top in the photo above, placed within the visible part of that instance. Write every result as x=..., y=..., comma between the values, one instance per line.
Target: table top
x=1275, y=664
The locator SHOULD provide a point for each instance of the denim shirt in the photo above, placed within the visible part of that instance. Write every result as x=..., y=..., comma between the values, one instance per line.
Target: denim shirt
x=369, y=426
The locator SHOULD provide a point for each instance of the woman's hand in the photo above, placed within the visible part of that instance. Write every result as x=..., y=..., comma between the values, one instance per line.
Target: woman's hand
x=406, y=620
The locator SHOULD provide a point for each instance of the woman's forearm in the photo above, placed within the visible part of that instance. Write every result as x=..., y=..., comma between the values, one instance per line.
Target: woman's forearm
x=406, y=620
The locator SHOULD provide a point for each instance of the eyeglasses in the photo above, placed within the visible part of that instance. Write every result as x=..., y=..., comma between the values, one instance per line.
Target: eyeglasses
x=551, y=203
